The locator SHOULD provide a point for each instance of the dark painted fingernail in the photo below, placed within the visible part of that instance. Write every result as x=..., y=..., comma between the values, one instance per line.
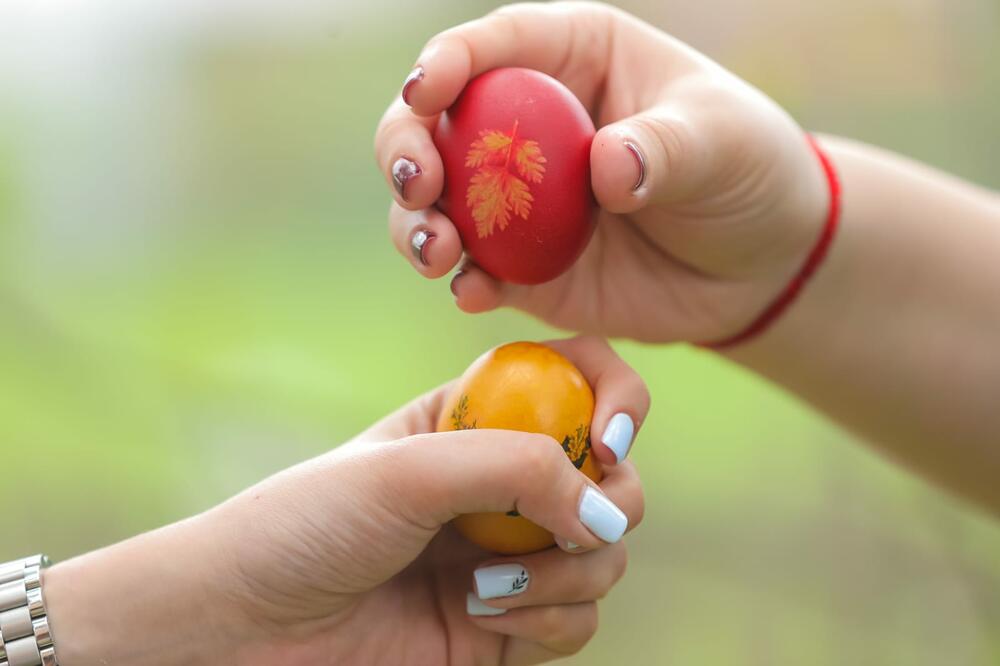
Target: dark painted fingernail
x=419, y=243
x=415, y=75
x=640, y=161
x=454, y=283
x=403, y=170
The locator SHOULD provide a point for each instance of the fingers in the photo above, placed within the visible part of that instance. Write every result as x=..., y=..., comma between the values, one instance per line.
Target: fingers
x=407, y=157
x=542, y=633
x=656, y=156
x=420, y=415
x=426, y=238
x=434, y=478
x=622, y=486
x=622, y=399
x=545, y=601
x=550, y=577
x=477, y=291
x=548, y=38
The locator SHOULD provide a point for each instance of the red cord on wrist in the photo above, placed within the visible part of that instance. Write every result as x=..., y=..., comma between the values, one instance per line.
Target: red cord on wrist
x=815, y=258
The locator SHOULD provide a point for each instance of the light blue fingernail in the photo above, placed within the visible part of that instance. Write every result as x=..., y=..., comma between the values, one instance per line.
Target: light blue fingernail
x=618, y=435
x=573, y=546
x=501, y=580
x=601, y=516
x=473, y=606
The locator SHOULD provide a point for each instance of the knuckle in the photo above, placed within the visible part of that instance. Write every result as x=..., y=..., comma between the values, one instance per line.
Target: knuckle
x=542, y=456
x=612, y=571
x=639, y=386
x=507, y=18
x=552, y=624
x=639, y=511
x=387, y=129
x=568, y=631
x=587, y=623
x=620, y=564
x=671, y=138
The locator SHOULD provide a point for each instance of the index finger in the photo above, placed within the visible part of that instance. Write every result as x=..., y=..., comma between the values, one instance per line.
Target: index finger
x=620, y=394
x=569, y=41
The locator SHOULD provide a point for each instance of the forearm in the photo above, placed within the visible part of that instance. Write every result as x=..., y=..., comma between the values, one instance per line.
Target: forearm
x=898, y=335
x=144, y=602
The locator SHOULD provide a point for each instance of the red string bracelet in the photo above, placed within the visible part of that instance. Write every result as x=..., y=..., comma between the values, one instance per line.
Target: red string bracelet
x=815, y=258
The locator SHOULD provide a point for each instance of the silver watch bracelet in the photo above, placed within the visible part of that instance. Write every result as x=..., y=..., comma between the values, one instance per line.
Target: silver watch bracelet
x=25, y=638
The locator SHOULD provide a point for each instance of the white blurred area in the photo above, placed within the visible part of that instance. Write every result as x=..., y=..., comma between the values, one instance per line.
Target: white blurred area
x=96, y=109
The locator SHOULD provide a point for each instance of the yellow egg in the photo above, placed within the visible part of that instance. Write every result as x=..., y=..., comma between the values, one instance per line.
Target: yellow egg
x=528, y=387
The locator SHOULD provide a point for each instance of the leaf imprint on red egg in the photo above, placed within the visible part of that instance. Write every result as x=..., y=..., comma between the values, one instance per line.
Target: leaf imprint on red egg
x=505, y=165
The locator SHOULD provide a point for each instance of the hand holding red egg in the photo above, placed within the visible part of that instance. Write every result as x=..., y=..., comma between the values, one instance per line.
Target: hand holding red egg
x=709, y=197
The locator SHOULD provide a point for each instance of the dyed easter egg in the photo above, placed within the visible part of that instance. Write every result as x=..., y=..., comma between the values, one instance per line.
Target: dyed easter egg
x=528, y=387
x=516, y=152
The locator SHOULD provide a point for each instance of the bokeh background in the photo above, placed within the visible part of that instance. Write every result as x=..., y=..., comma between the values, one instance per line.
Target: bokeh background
x=197, y=289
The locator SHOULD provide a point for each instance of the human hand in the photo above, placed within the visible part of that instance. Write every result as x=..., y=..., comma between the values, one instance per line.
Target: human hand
x=349, y=558
x=692, y=245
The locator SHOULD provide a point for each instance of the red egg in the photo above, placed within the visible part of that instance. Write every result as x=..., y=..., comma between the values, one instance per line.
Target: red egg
x=516, y=153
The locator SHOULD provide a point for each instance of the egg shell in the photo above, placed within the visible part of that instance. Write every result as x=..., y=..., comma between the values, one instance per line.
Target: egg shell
x=522, y=240
x=529, y=387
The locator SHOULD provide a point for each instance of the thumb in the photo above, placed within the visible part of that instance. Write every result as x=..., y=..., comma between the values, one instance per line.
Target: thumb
x=439, y=476
x=656, y=156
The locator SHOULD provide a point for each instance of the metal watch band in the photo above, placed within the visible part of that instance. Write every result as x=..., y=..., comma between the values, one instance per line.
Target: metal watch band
x=25, y=639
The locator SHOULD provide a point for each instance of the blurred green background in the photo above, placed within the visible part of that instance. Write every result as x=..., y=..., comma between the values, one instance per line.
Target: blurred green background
x=197, y=289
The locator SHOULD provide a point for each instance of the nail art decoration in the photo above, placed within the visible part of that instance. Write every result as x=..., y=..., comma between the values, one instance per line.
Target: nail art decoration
x=415, y=75
x=640, y=160
x=618, y=435
x=475, y=606
x=501, y=580
x=506, y=167
x=403, y=170
x=418, y=244
x=600, y=515
x=577, y=445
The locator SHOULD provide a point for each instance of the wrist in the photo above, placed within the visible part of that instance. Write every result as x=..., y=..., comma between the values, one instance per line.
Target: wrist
x=151, y=600
x=826, y=304
x=896, y=336
x=808, y=233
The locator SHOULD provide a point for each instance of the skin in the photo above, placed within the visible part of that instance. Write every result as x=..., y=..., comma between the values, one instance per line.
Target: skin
x=895, y=337
x=350, y=559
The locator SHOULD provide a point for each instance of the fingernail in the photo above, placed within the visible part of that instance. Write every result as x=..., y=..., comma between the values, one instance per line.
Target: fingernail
x=419, y=243
x=572, y=546
x=601, y=516
x=473, y=606
x=501, y=580
x=640, y=161
x=618, y=435
x=454, y=283
x=416, y=74
x=403, y=170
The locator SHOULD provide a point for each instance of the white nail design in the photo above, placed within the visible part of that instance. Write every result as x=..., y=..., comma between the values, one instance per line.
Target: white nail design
x=501, y=580
x=473, y=606
x=618, y=435
x=601, y=516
